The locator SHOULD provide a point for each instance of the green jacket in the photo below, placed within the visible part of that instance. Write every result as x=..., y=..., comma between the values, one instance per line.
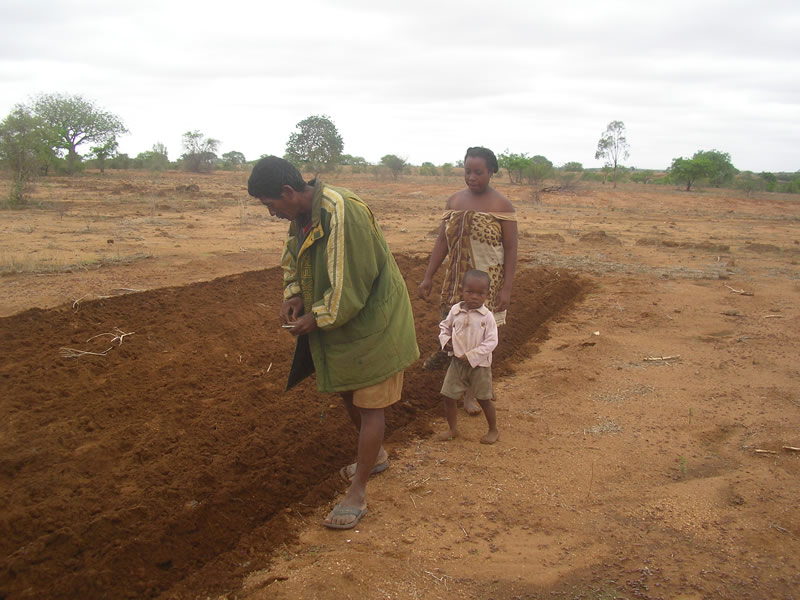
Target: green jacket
x=349, y=279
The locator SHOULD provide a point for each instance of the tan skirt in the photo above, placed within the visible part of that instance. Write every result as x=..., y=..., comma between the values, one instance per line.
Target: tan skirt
x=380, y=395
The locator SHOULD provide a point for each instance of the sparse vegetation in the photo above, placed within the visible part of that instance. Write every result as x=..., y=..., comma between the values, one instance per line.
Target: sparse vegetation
x=24, y=150
x=201, y=152
x=613, y=146
x=394, y=163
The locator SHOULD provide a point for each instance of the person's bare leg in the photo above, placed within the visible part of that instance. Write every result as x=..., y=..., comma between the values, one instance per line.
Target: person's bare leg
x=352, y=410
x=491, y=419
x=370, y=438
x=470, y=405
x=451, y=412
x=355, y=417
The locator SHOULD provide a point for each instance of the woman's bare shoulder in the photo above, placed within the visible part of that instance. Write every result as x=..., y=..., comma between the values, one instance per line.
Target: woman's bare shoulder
x=500, y=203
x=457, y=200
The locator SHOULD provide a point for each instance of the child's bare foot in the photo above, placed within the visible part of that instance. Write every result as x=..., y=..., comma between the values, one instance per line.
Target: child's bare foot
x=446, y=436
x=491, y=437
x=471, y=406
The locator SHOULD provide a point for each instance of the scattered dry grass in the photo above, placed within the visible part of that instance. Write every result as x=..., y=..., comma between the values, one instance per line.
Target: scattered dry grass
x=12, y=264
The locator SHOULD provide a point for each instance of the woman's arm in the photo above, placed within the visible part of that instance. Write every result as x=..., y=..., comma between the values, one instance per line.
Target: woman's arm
x=437, y=258
x=510, y=241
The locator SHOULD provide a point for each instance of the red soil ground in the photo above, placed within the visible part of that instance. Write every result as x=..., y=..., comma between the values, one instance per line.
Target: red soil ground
x=167, y=464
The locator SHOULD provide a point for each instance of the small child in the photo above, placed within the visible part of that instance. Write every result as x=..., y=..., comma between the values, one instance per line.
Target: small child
x=469, y=334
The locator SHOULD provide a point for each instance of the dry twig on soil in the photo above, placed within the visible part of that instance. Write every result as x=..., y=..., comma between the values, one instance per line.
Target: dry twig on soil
x=115, y=337
x=740, y=292
x=77, y=303
x=661, y=358
x=777, y=527
x=73, y=353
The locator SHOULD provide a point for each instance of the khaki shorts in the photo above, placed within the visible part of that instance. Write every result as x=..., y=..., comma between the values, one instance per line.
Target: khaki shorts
x=461, y=376
x=380, y=395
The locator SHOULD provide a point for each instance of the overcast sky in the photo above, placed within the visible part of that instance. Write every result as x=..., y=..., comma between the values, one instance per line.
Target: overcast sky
x=425, y=79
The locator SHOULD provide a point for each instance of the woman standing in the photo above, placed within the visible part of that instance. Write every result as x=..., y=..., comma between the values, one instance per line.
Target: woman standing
x=478, y=231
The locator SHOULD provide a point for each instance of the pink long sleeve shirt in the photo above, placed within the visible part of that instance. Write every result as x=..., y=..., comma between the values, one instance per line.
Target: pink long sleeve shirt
x=473, y=333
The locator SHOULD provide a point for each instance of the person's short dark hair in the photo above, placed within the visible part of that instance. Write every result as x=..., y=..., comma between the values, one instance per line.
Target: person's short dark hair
x=269, y=176
x=486, y=154
x=478, y=274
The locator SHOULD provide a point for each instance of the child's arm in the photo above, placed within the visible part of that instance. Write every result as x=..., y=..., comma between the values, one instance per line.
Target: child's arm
x=487, y=345
x=446, y=332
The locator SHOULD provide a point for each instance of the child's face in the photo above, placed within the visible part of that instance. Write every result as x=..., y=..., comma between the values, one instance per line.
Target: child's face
x=475, y=291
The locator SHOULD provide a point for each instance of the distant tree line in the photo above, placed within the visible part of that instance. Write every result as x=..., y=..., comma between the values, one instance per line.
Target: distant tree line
x=62, y=134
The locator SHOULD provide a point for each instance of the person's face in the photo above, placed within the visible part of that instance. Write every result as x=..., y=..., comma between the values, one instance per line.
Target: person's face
x=476, y=174
x=475, y=291
x=284, y=206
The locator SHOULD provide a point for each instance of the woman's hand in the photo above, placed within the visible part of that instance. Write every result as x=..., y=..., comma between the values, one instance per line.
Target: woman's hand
x=291, y=309
x=503, y=300
x=424, y=289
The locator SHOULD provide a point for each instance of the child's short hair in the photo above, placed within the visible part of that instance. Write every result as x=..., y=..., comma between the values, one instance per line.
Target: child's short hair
x=478, y=274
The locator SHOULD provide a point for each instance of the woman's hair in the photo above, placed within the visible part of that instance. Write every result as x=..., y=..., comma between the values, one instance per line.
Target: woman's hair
x=486, y=154
x=270, y=175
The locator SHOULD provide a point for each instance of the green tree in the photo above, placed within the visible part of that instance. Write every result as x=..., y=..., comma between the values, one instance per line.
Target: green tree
x=316, y=146
x=201, y=152
x=447, y=169
x=642, y=176
x=360, y=164
x=613, y=146
x=722, y=170
x=156, y=159
x=711, y=165
x=538, y=170
x=121, y=161
x=25, y=150
x=76, y=121
x=428, y=169
x=394, y=163
x=160, y=148
x=515, y=165
x=748, y=182
x=689, y=170
x=233, y=160
x=104, y=152
x=572, y=167
x=793, y=185
x=770, y=181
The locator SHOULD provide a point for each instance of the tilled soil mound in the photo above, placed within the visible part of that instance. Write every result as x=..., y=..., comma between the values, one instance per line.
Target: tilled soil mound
x=167, y=460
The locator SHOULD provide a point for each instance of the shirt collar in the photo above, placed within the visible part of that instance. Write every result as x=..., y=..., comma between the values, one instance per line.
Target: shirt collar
x=482, y=309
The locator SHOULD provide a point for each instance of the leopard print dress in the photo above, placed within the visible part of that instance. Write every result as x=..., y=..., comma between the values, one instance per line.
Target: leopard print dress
x=474, y=241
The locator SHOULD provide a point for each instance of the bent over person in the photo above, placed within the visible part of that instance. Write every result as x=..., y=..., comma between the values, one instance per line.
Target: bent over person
x=347, y=304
